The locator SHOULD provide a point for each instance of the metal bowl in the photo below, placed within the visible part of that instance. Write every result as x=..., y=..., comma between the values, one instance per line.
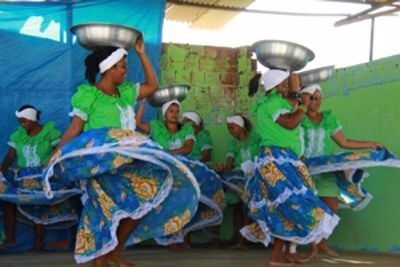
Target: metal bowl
x=165, y=94
x=94, y=35
x=278, y=54
x=315, y=75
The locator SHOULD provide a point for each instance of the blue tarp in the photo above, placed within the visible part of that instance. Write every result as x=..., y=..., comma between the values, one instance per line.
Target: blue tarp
x=41, y=63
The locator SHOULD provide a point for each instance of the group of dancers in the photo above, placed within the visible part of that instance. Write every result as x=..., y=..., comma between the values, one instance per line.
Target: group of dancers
x=120, y=180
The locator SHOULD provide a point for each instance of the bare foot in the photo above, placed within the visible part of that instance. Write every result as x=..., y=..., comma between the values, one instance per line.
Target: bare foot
x=62, y=244
x=296, y=258
x=183, y=245
x=280, y=262
x=327, y=250
x=174, y=247
x=100, y=262
x=179, y=246
x=119, y=261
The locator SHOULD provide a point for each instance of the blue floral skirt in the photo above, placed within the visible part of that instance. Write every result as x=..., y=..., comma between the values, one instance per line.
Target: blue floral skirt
x=282, y=201
x=348, y=167
x=235, y=183
x=123, y=174
x=24, y=187
x=212, y=198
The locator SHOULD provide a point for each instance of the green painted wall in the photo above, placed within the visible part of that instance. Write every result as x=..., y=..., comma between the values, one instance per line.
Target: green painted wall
x=366, y=99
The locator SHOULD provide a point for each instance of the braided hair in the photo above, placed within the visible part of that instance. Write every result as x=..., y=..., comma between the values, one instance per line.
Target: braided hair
x=247, y=123
x=93, y=60
x=254, y=83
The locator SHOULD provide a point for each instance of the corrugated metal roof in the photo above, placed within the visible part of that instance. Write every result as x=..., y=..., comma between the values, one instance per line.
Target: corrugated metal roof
x=214, y=14
x=203, y=17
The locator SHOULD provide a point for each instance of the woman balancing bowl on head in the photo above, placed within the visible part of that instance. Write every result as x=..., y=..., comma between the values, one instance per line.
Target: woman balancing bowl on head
x=178, y=139
x=133, y=190
x=282, y=200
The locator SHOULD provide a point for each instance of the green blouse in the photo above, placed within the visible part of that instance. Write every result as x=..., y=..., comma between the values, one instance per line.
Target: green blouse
x=241, y=151
x=167, y=140
x=317, y=135
x=203, y=142
x=268, y=110
x=99, y=110
x=34, y=151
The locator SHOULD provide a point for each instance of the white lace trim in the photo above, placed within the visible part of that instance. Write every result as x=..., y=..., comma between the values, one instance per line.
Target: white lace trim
x=127, y=117
x=32, y=159
x=278, y=113
x=79, y=113
x=353, y=165
x=206, y=147
x=316, y=144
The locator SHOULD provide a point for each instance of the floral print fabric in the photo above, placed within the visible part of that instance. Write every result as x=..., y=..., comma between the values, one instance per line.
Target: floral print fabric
x=282, y=201
x=124, y=175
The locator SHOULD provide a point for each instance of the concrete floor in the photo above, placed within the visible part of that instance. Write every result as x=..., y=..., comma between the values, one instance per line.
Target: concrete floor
x=198, y=257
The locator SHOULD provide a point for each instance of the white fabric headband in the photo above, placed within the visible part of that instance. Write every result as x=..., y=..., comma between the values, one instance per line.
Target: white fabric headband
x=112, y=59
x=166, y=105
x=273, y=77
x=28, y=113
x=311, y=89
x=193, y=116
x=236, y=120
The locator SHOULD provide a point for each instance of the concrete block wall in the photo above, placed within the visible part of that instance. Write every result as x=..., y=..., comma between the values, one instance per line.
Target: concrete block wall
x=218, y=77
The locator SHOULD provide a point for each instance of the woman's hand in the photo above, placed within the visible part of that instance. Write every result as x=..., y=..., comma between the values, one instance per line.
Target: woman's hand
x=375, y=145
x=294, y=82
x=139, y=45
x=305, y=99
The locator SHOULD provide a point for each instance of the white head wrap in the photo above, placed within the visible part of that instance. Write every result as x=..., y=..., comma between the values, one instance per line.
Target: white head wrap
x=193, y=116
x=27, y=113
x=311, y=89
x=238, y=120
x=273, y=77
x=112, y=59
x=166, y=105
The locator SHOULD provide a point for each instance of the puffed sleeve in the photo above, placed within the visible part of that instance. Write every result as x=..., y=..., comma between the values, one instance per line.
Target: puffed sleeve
x=206, y=141
x=82, y=101
x=54, y=134
x=276, y=107
x=17, y=137
x=231, y=149
x=332, y=122
x=187, y=132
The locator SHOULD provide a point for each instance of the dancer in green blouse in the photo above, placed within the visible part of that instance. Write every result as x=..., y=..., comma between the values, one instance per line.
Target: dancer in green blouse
x=203, y=147
x=320, y=129
x=244, y=146
x=179, y=139
x=109, y=102
x=29, y=146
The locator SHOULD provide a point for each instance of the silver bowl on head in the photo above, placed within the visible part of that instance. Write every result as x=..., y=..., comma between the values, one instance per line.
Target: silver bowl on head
x=278, y=54
x=95, y=35
x=315, y=75
x=167, y=93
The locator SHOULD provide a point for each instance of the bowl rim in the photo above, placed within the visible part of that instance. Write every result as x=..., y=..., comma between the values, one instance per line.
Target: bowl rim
x=154, y=104
x=173, y=85
x=285, y=42
x=74, y=27
x=332, y=67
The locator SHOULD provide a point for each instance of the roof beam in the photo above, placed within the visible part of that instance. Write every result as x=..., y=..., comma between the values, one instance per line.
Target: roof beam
x=368, y=13
x=257, y=11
